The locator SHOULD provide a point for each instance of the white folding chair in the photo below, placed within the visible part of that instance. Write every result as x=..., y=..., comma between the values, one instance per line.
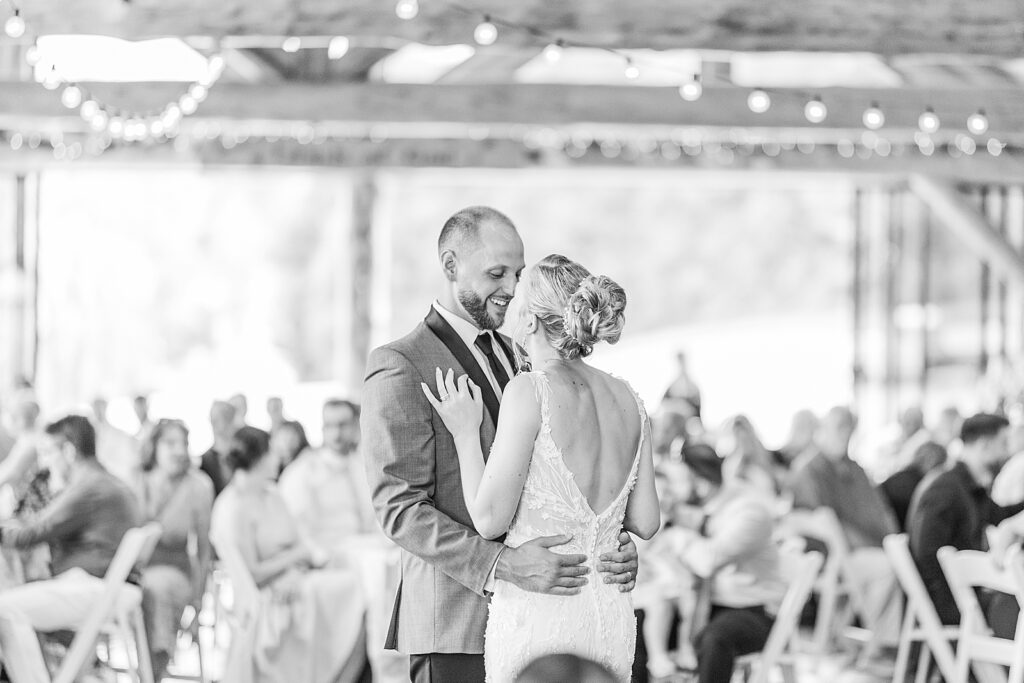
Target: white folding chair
x=921, y=623
x=801, y=569
x=242, y=614
x=117, y=609
x=966, y=570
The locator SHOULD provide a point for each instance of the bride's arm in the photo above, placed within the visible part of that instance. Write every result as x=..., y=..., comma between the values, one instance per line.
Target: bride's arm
x=643, y=514
x=491, y=491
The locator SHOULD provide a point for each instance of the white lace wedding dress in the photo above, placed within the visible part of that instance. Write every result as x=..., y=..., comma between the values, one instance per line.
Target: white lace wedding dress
x=598, y=623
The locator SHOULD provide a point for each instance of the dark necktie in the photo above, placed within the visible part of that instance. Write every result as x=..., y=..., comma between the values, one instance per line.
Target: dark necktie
x=485, y=344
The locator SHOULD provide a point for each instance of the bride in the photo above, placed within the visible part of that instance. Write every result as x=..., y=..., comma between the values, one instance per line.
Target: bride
x=572, y=455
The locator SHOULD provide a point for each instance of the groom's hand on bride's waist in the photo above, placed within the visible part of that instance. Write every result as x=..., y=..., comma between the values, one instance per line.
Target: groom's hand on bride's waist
x=534, y=567
x=620, y=567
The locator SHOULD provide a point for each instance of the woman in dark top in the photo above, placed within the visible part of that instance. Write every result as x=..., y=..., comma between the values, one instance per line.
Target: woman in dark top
x=180, y=499
x=899, y=488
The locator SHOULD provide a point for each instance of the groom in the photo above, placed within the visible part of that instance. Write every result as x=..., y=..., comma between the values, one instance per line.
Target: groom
x=413, y=468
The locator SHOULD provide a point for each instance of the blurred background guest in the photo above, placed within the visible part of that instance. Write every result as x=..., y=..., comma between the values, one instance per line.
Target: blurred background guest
x=311, y=619
x=214, y=462
x=800, y=442
x=83, y=526
x=683, y=394
x=746, y=456
x=275, y=411
x=899, y=488
x=140, y=405
x=180, y=498
x=288, y=441
x=241, y=406
x=117, y=450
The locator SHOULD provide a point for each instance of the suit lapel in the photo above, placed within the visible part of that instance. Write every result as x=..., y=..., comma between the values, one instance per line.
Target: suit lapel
x=450, y=338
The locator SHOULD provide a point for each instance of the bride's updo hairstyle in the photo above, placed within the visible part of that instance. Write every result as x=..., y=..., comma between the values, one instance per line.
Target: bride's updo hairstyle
x=576, y=309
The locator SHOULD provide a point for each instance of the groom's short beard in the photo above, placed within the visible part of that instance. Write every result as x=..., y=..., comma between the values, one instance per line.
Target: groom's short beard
x=477, y=309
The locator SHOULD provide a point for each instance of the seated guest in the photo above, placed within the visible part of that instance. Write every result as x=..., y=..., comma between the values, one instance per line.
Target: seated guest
x=831, y=479
x=1008, y=487
x=899, y=488
x=181, y=500
x=955, y=509
x=325, y=489
x=743, y=451
x=800, y=442
x=83, y=526
x=214, y=461
x=288, y=441
x=311, y=619
x=732, y=549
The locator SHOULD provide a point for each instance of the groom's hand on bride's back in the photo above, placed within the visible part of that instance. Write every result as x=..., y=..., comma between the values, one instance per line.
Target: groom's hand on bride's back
x=534, y=567
x=620, y=567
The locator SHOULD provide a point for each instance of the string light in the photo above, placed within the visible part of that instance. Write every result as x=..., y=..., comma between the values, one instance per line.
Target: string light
x=692, y=89
x=553, y=52
x=14, y=27
x=928, y=122
x=338, y=47
x=32, y=55
x=632, y=70
x=873, y=117
x=89, y=109
x=407, y=9
x=815, y=110
x=759, y=101
x=71, y=97
x=292, y=44
x=977, y=122
x=485, y=32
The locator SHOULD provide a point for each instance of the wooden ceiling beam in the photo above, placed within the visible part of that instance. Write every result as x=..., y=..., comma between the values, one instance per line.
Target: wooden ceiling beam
x=886, y=27
x=506, y=106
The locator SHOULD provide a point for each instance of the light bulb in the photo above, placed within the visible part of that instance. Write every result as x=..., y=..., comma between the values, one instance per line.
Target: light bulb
x=292, y=44
x=928, y=122
x=759, y=101
x=32, y=55
x=977, y=122
x=553, y=52
x=116, y=126
x=486, y=32
x=815, y=111
x=632, y=70
x=691, y=90
x=873, y=117
x=198, y=92
x=188, y=105
x=338, y=47
x=52, y=80
x=99, y=121
x=14, y=27
x=71, y=97
x=156, y=128
x=995, y=148
x=88, y=109
x=407, y=9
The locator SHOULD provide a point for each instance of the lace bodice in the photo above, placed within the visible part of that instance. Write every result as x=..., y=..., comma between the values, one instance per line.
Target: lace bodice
x=552, y=502
x=598, y=623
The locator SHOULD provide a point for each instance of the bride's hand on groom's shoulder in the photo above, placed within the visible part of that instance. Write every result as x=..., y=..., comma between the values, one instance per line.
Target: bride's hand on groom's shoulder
x=458, y=402
x=620, y=566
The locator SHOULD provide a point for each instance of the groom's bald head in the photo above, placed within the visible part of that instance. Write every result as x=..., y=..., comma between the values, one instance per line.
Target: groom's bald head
x=462, y=230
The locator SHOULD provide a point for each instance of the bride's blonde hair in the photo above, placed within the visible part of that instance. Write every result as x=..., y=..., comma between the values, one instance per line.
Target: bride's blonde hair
x=576, y=309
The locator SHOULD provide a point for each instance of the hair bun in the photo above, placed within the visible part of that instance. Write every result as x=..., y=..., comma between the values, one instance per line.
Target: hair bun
x=595, y=313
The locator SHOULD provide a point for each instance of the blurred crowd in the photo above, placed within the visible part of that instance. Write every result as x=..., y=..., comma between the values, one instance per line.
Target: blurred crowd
x=295, y=520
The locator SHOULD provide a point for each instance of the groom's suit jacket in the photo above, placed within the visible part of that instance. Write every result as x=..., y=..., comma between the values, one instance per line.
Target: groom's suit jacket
x=413, y=471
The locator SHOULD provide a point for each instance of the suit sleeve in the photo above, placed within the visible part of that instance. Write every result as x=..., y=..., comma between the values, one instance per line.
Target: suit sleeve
x=398, y=437
x=940, y=518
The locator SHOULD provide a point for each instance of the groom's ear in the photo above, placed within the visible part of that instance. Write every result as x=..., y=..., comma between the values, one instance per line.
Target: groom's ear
x=449, y=264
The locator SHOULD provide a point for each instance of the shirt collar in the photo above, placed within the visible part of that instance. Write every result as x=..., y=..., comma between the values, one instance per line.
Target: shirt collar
x=467, y=331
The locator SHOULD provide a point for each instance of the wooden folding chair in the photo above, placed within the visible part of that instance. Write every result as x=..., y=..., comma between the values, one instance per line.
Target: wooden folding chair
x=801, y=569
x=117, y=606
x=965, y=571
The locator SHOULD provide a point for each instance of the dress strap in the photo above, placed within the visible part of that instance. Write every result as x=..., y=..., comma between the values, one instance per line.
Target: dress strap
x=542, y=390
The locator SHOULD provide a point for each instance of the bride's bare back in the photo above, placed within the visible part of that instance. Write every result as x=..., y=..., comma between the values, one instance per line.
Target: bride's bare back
x=596, y=426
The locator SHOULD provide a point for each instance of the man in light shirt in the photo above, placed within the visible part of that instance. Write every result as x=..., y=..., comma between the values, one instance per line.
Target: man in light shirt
x=325, y=488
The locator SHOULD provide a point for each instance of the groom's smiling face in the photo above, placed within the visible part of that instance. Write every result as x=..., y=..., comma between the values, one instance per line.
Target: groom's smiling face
x=488, y=269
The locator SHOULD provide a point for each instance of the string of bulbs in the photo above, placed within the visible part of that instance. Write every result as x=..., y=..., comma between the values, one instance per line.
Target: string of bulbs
x=759, y=100
x=118, y=123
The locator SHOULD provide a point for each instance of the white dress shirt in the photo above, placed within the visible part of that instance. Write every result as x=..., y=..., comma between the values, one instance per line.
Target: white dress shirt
x=468, y=332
